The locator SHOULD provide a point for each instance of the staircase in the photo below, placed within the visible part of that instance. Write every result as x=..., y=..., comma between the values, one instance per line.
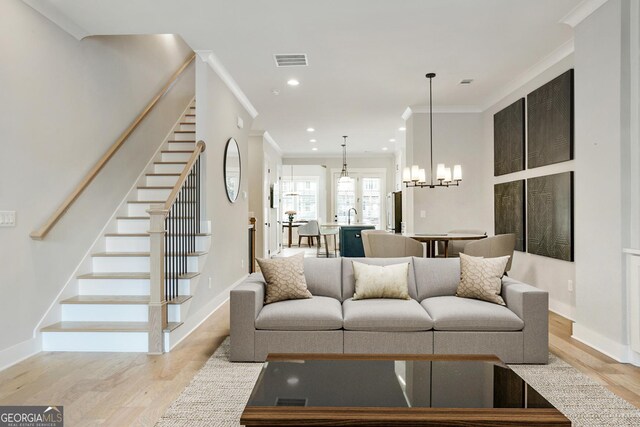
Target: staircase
x=110, y=311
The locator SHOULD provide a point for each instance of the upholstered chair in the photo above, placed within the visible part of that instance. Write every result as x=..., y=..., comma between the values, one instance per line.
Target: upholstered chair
x=310, y=230
x=381, y=244
x=493, y=247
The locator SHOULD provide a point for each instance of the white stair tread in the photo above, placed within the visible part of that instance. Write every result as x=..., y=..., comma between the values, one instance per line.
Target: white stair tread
x=104, y=327
x=119, y=299
x=131, y=276
x=147, y=235
x=143, y=254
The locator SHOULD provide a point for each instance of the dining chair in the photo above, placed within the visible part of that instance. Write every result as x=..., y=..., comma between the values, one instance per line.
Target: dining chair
x=457, y=246
x=381, y=244
x=493, y=247
x=310, y=230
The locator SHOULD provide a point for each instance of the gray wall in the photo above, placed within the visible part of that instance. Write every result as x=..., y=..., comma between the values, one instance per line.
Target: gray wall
x=227, y=261
x=457, y=139
x=64, y=102
x=545, y=273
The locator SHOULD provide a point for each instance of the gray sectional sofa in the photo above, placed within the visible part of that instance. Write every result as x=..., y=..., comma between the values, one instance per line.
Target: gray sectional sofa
x=433, y=321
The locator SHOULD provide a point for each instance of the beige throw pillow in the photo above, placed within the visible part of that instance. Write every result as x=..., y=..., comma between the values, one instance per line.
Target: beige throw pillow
x=285, y=278
x=376, y=281
x=481, y=278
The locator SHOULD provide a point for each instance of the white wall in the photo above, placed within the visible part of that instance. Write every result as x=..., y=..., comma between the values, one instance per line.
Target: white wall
x=262, y=155
x=602, y=174
x=457, y=139
x=64, y=102
x=549, y=274
x=227, y=261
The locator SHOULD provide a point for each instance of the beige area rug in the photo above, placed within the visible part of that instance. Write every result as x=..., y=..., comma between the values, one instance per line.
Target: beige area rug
x=219, y=391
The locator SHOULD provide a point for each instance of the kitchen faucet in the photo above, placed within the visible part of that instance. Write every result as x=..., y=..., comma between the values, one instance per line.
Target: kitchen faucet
x=349, y=214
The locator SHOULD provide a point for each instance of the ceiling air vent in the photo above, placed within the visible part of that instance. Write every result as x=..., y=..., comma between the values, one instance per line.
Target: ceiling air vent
x=466, y=81
x=291, y=60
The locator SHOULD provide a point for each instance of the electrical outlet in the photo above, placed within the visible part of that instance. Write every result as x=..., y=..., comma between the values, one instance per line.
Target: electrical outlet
x=7, y=218
x=242, y=262
x=570, y=285
x=423, y=214
x=210, y=282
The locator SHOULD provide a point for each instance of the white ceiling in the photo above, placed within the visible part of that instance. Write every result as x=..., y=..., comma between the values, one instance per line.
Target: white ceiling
x=367, y=58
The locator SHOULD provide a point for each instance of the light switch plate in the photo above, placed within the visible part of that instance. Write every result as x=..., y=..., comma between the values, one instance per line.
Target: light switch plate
x=240, y=122
x=7, y=218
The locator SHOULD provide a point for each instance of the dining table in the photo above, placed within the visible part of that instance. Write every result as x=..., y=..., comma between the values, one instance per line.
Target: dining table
x=432, y=238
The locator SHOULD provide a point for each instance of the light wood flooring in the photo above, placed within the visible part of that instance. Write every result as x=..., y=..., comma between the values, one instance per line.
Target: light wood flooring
x=119, y=389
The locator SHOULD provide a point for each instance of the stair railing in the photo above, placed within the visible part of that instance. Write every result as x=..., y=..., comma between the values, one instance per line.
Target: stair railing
x=175, y=226
x=41, y=232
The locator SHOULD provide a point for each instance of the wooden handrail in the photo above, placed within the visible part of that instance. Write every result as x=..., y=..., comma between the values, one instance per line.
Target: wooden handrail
x=48, y=225
x=200, y=147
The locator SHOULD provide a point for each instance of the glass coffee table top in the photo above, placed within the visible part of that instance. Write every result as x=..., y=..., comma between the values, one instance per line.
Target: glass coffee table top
x=443, y=382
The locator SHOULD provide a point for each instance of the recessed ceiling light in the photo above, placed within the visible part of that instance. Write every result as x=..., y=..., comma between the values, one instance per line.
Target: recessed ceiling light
x=314, y=149
x=275, y=92
x=392, y=140
x=402, y=129
x=312, y=140
x=466, y=81
x=293, y=82
x=311, y=130
x=384, y=148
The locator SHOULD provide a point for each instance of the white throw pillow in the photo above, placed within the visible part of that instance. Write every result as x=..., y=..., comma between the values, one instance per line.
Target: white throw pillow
x=376, y=281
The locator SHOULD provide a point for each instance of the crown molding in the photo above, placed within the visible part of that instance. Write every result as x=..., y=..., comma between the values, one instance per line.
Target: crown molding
x=267, y=136
x=210, y=58
x=53, y=14
x=581, y=12
x=538, y=68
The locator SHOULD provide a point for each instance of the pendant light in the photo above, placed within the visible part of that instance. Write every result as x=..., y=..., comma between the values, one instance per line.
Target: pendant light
x=344, y=175
x=416, y=176
x=292, y=187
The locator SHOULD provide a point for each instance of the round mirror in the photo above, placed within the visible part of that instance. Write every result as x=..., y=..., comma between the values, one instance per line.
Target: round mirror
x=232, y=169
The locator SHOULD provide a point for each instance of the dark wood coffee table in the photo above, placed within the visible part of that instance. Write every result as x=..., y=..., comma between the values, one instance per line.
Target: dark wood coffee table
x=394, y=390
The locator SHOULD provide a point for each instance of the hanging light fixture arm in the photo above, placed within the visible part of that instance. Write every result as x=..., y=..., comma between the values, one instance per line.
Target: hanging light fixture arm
x=415, y=177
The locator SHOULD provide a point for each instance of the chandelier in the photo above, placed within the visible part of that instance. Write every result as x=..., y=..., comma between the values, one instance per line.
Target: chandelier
x=344, y=175
x=416, y=176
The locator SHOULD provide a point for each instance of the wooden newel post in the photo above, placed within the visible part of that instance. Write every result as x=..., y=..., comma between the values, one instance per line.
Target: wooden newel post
x=157, y=300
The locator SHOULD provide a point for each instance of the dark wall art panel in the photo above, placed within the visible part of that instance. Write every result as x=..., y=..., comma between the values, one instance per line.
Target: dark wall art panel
x=508, y=139
x=508, y=206
x=550, y=122
x=550, y=216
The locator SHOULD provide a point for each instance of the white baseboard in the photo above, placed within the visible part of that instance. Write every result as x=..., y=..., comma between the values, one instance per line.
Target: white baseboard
x=19, y=352
x=617, y=351
x=197, y=319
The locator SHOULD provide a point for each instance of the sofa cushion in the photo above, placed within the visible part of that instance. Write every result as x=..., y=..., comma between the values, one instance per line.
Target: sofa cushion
x=385, y=315
x=349, y=281
x=463, y=314
x=313, y=314
x=381, y=281
x=481, y=278
x=324, y=276
x=436, y=277
x=285, y=278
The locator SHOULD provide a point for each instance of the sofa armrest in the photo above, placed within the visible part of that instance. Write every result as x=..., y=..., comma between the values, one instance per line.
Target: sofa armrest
x=532, y=306
x=246, y=301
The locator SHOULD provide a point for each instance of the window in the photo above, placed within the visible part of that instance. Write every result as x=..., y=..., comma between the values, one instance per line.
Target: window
x=364, y=193
x=306, y=203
